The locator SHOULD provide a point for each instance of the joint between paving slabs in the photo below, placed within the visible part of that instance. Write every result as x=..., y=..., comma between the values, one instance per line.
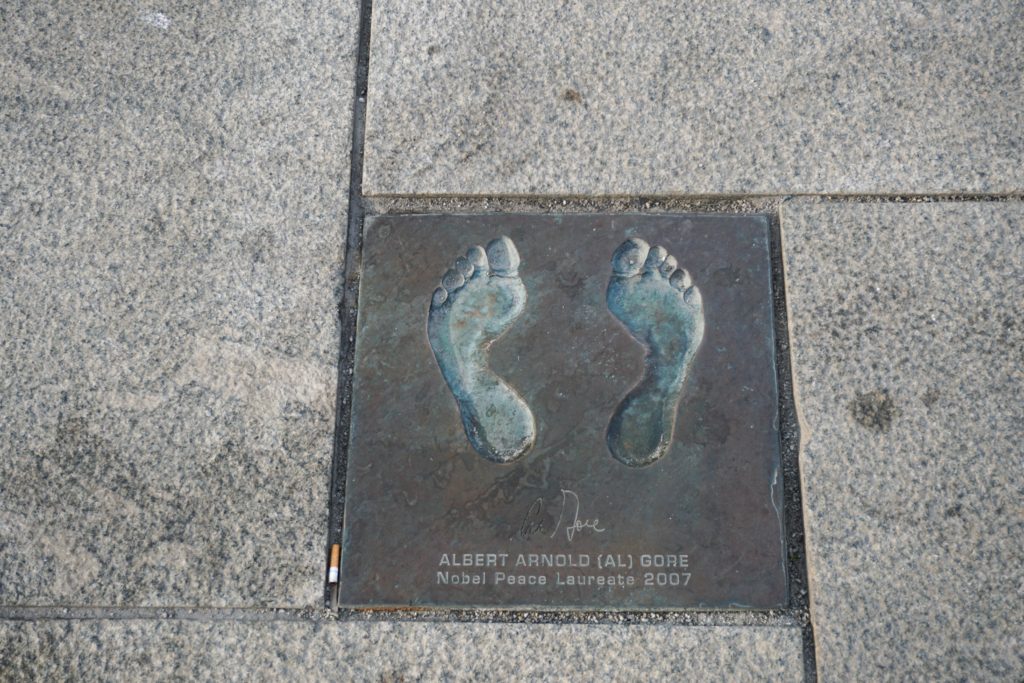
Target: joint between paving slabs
x=789, y=452
x=741, y=204
x=782, y=618
x=347, y=307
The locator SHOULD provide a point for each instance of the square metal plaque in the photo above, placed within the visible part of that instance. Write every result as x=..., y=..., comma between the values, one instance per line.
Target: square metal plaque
x=564, y=412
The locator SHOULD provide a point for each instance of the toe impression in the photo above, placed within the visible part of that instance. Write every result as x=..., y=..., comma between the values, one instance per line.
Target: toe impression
x=464, y=267
x=681, y=279
x=655, y=257
x=452, y=280
x=668, y=266
x=477, y=257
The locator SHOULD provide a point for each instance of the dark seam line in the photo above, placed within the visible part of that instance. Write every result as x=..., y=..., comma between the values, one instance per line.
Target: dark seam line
x=349, y=295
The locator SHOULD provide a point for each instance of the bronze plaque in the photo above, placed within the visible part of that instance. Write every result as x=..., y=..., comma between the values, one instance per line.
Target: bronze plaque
x=564, y=412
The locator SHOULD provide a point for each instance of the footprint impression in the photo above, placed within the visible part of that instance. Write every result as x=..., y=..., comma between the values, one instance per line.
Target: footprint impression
x=480, y=297
x=662, y=309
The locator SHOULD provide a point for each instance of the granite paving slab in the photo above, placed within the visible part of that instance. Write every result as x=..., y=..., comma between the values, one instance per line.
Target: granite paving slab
x=172, y=218
x=908, y=346
x=388, y=651
x=663, y=97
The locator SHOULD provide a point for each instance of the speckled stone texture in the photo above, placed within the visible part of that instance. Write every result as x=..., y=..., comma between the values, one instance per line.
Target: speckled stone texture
x=392, y=652
x=172, y=217
x=908, y=348
x=667, y=97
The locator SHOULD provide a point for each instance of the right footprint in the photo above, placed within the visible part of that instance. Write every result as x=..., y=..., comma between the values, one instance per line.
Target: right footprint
x=662, y=309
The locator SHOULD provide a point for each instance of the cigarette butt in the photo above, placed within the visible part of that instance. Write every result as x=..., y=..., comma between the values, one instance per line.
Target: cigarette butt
x=332, y=573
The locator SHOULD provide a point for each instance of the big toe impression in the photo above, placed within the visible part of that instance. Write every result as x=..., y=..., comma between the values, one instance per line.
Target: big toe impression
x=629, y=258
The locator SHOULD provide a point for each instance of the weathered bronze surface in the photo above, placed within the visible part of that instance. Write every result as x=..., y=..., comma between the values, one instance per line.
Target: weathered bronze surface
x=453, y=500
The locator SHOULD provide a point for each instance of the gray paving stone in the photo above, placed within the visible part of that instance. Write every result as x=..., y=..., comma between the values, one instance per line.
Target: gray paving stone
x=382, y=651
x=908, y=349
x=172, y=213
x=664, y=97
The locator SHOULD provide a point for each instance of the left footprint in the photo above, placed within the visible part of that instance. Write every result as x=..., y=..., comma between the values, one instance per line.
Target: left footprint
x=480, y=297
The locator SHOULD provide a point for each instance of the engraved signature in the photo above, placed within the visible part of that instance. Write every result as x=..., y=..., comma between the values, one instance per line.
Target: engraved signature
x=533, y=522
x=569, y=519
x=577, y=524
